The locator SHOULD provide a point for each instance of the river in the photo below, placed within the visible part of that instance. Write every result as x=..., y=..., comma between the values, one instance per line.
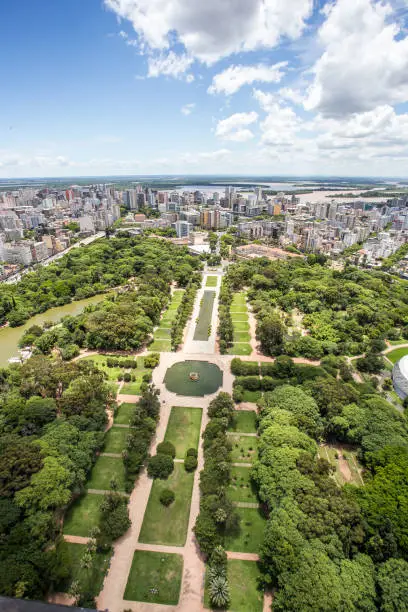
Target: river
x=10, y=336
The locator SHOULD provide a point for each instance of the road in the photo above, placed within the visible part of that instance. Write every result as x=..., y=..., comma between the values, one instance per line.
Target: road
x=46, y=262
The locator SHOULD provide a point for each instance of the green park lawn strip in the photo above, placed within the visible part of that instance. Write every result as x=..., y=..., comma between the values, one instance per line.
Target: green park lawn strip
x=161, y=346
x=162, y=333
x=241, y=336
x=241, y=488
x=243, y=448
x=240, y=326
x=90, y=580
x=83, y=515
x=251, y=396
x=239, y=298
x=131, y=388
x=240, y=348
x=239, y=316
x=396, y=355
x=237, y=308
x=249, y=537
x=243, y=582
x=183, y=429
x=244, y=421
x=104, y=470
x=212, y=281
x=123, y=414
x=115, y=440
x=169, y=525
x=155, y=577
x=204, y=316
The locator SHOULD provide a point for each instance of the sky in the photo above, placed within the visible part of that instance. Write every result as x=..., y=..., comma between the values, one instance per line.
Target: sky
x=244, y=87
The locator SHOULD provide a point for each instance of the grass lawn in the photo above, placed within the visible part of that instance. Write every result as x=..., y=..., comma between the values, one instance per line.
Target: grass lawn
x=161, y=346
x=115, y=440
x=244, y=421
x=243, y=448
x=239, y=316
x=169, y=525
x=251, y=396
x=347, y=468
x=90, y=579
x=131, y=388
x=236, y=308
x=100, y=362
x=212, y=281
x=82, y=515
x=239, y=298
x=240, y=326
x=241, y=488
x=242, y=578
x=162, y=333
x=251, y=530
x=396, y=355
x=204, y=316
x=183, y=429
x=242, y=336
x=123, y=414
x=397, y=342
x=155, y=577
x=240, y=349
x=104, y=470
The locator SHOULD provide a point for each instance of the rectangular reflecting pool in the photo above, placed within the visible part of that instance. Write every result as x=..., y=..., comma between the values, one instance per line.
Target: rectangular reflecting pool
x=205, y=316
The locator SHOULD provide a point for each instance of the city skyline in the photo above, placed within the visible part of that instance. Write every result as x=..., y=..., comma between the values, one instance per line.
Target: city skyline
x=130, y=87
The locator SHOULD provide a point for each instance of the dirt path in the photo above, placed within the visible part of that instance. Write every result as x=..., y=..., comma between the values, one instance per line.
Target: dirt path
x=242, y=556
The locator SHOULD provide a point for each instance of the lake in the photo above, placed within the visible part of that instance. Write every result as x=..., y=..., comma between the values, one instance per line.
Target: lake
x=10, y=336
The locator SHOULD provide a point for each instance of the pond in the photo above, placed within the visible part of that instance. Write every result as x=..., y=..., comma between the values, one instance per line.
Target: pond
x=193, y=378
x=10, y=336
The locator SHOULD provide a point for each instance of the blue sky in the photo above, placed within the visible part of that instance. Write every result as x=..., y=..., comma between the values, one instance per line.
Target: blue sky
x=94, y=87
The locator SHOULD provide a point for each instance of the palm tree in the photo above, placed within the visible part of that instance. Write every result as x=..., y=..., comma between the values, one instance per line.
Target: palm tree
x=219, y=592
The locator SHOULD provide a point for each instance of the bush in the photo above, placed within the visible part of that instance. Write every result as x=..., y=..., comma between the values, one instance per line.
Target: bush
x=152, y=360
x=127, y=377
x=160, y=466
x=166, y=448
x=147, y=377
x=191, y=452
x=251, y=383
x=167, y=497
x=242, y=368
x=238, y=394
x=190, y=463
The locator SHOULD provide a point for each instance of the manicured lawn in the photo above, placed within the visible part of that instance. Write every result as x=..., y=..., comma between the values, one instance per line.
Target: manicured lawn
x=251, y=396
x=162, y=333
x=115, y=440
x=239, y=298
x=212, y=281
x=90, y=580
x=240, y=349
x=251, y=530
x=100, y=362
x=239, y=316
x=161, y=346
x=241, y=488
x=131, y=388
x=244, y=421
x=104, y=470
x=242, y=578
x=183, y=429
x=83, y=515
x=123, y=414
x=242, y=336
x=169, y=525
x=155, y=577
x=243, y=448
x=396, y=355
x=204, y=316
x=236, y=308
x=240, y=326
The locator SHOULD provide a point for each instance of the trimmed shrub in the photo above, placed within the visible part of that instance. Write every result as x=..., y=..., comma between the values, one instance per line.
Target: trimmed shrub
x=160, y=466
x=167, y=497
x=127, y=377
x=166, y=448
x=191, y=452
x=190, y=463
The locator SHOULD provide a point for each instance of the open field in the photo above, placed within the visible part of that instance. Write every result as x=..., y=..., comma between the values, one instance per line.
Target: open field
x=241, y=488
x=169, y=525
x=396, y=355
x=104, y=470
x=82, y=515
x=123, y=414
x=251, y=530
x=183, y=429
x=244, y=421
x=204, y=316
x=243, y=448
x=344, y=460
x=242, y=577
x=90, y=580
x=155, y=577
x=115, y=440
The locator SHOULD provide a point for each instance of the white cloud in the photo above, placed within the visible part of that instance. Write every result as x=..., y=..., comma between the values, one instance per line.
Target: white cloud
x=234, y=127
x=364, y=62
x=187, y=109
x=234, y=77
x=169, y=65
x=214, y=29
x=292, y=95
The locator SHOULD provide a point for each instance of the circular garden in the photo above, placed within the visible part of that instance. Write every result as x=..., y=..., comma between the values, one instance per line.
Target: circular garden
x=193, y=378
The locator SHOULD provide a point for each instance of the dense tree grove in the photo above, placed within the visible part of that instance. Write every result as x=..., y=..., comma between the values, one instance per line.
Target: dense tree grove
x=225, y=327
x=96, y=268
x=52, y=417
x=184, y=311
x=345, y=311
x=325, y=547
